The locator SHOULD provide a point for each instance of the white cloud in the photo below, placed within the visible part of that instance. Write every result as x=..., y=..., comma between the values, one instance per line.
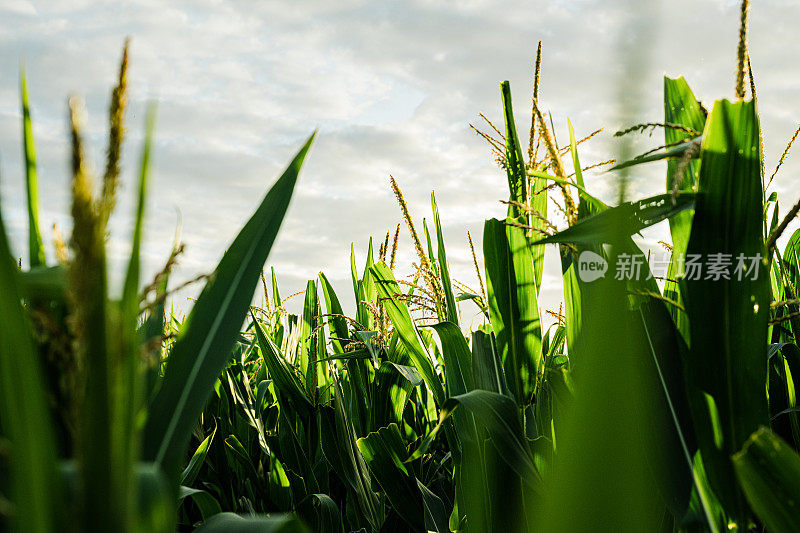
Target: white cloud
x=392, y=87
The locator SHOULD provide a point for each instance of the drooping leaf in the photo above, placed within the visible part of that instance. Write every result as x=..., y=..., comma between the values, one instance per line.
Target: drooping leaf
x=623, y=220
x=672, y=152
x=393, y=385
x=596, y=204
x=206, y=503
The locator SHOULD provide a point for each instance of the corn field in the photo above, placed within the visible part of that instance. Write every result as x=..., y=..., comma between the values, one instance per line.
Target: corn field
x=656, y=401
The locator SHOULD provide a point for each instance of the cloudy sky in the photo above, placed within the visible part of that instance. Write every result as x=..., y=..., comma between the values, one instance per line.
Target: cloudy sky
x=392, y=87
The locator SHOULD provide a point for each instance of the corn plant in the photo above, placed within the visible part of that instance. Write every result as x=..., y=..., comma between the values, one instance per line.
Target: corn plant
x=96, y=436
x=643, y=408
x=648, y=406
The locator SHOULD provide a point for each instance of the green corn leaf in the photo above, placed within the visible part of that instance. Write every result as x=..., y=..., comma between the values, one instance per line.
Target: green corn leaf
x=404, y=325
x=198, y=458
x=368, y=288
x=360, y=395
x=726, y=373
x=682, y=108
x=237, y=452
x=587, y=204
x=43, y=283
x=434, y=509
x=444, y=270
x=367, y=337
x=670, y=421
x=130, y=398
x=336, y=324
x=234, y=523
x=294, y=453
x=457, y=359
x=427, y=441
x=276, y=296
x=320, y=512
x=384, y=452
x=601, y=476
x=409, y=373
x=431, y=255
x=498, y=415
x=595, y=203
x=394, y=384
x=487, y=369
x=339, y=446
x=206, y=503
x=25, y=416
x=783, y=382
x=287, y=384
x=356, y=282
x=276, y=324
x=513, y=305
x=521, y=190
x=622, y=221
x=465, y=446
x=576, y=292
x=306, y=359
x=791, y=274
x=673, y=152
x=280, y=492
x=768, y=470
x=204, y=344
x=35, y=246
x=515, y=162
x=791, y=257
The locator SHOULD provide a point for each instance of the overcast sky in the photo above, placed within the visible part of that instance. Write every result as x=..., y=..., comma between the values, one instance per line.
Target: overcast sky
x=392, y=87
